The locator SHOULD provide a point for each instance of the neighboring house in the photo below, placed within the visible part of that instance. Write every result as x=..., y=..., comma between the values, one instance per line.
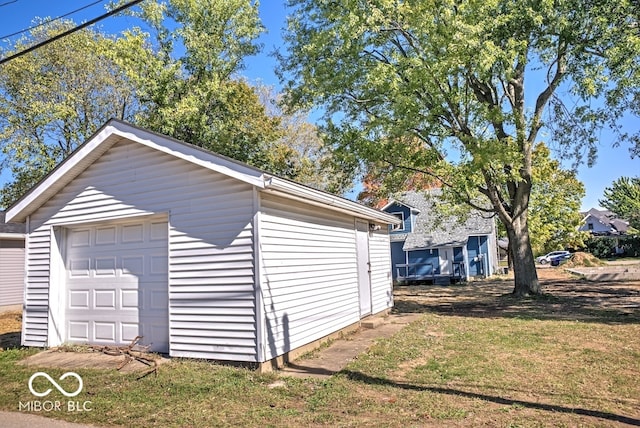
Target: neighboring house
x=205, y=257
x=11, y=263
x=443, y=250
x=603, y=223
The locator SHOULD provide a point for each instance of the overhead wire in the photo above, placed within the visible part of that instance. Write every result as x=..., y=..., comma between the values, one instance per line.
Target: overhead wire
x=70, y=31
x=49, y=21
x=7, y=3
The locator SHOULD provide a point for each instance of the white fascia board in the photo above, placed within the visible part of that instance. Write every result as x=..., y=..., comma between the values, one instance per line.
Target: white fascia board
x=191, y=153
x=12, y=236
x=393, y=201
x=111, y=133
x=61, y=175
x=306, y=194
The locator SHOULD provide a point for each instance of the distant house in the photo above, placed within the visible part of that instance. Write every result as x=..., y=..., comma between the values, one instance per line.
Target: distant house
x=11, y=263
x=140, y=234
x=441, y=250
x=603, y=223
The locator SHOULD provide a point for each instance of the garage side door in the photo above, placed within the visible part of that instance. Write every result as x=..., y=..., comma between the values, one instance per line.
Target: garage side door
x=116, y=282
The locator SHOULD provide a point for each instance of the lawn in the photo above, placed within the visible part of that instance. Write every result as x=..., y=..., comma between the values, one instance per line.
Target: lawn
x=477, y=357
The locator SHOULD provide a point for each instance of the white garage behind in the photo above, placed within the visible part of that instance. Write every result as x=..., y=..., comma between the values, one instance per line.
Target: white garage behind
x=11, y=264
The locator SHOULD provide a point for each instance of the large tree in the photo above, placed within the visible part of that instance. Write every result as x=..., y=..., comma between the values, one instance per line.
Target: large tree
x=53, y=98
x=199, y=96
x=301, y=146
x=623, y=198
x=554, y=207
x=182, y=78
x=451, y=75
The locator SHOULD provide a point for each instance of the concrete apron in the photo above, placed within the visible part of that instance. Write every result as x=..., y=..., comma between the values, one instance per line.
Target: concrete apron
x=323, y=363
x=326, y=362
x=72, y=360
x=608, y=273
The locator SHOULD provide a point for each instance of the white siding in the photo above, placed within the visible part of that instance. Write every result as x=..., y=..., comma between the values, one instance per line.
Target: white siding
x=211, y=291
x=11, y=272
x=597, y=225
x=36, y=295
x=381, y=282
x=308, y=272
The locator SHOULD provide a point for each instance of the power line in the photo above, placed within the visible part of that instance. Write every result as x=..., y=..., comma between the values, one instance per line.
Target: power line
x=8, y=2
x=73, y=30
x=49, y=21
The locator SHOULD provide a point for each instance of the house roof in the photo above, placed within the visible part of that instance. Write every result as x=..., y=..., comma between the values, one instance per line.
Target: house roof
x=10, y=230
x=115, y=131
x=608, y=219
x=431, y=230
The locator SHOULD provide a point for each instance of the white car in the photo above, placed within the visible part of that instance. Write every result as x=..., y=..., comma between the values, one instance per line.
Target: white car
x=553, y=256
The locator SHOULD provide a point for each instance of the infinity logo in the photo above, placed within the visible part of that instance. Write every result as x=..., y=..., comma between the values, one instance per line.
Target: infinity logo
x=54, y=383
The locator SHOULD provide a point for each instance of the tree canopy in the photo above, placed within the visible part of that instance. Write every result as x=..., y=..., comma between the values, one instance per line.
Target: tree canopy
x=182, y=78
x=554, y=208
x=623, y=198
x=52, y=99
x=439, y=87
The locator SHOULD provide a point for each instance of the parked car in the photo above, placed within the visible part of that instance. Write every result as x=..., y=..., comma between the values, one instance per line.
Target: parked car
x=554, y=256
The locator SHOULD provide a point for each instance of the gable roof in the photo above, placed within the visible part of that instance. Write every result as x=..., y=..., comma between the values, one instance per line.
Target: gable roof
x=115, y=131
x=608, y=219
x=393, y=202
x=431, y=230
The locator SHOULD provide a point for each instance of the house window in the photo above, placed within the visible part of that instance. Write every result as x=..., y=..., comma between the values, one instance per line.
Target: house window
x=590, y=226
x=398, y=227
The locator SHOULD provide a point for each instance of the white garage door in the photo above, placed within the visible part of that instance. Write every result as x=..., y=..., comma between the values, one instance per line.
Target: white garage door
x=117, y=284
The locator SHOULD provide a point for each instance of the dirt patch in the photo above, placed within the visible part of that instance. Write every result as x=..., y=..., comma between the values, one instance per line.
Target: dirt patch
x=88, y=358
x=581, y=259
x=564, y=297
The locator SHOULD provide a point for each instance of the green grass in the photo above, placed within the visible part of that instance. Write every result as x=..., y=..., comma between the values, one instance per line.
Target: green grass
x=442, y=370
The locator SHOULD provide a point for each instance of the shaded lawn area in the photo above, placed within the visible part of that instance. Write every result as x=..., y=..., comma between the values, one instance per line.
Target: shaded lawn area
x=477, y=357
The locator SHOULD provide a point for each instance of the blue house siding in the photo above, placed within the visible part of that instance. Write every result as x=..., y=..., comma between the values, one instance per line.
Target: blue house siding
x=436, y=246
x=478, y=252
x=425, y=256
x=458, y=255
x=406, y=213
x=398, y=257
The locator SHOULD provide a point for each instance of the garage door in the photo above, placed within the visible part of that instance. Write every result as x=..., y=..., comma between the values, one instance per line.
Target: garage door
x=117, y=284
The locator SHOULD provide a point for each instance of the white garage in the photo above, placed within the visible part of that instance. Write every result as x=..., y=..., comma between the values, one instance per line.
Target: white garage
x=11, y=264
x=137, y=234
x=117, y=284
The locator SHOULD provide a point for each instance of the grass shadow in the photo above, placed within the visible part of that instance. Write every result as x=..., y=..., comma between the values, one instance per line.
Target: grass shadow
x=10, y=340
x=564, y=299
x=361, y=377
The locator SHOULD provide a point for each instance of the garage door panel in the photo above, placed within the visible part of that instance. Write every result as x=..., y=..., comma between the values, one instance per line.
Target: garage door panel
x=132, y=265
x=104, y=331
x=79, y=299
x=79, y=267
x=105, y=266
x=157, y=300
x=117, y=284
x=78, y=331
x=129, y=299
x=129, y=331
x=105, y=299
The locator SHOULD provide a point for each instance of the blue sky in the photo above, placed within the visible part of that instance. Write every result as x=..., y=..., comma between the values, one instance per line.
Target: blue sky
x=16, y=15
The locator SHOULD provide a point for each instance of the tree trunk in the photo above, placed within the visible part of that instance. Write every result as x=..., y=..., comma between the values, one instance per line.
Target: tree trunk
x=524, y=268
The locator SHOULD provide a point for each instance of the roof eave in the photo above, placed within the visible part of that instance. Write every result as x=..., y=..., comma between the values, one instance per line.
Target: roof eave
x=306, y=194
x=106, y=137
x=395, y=201
x=5, y=235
